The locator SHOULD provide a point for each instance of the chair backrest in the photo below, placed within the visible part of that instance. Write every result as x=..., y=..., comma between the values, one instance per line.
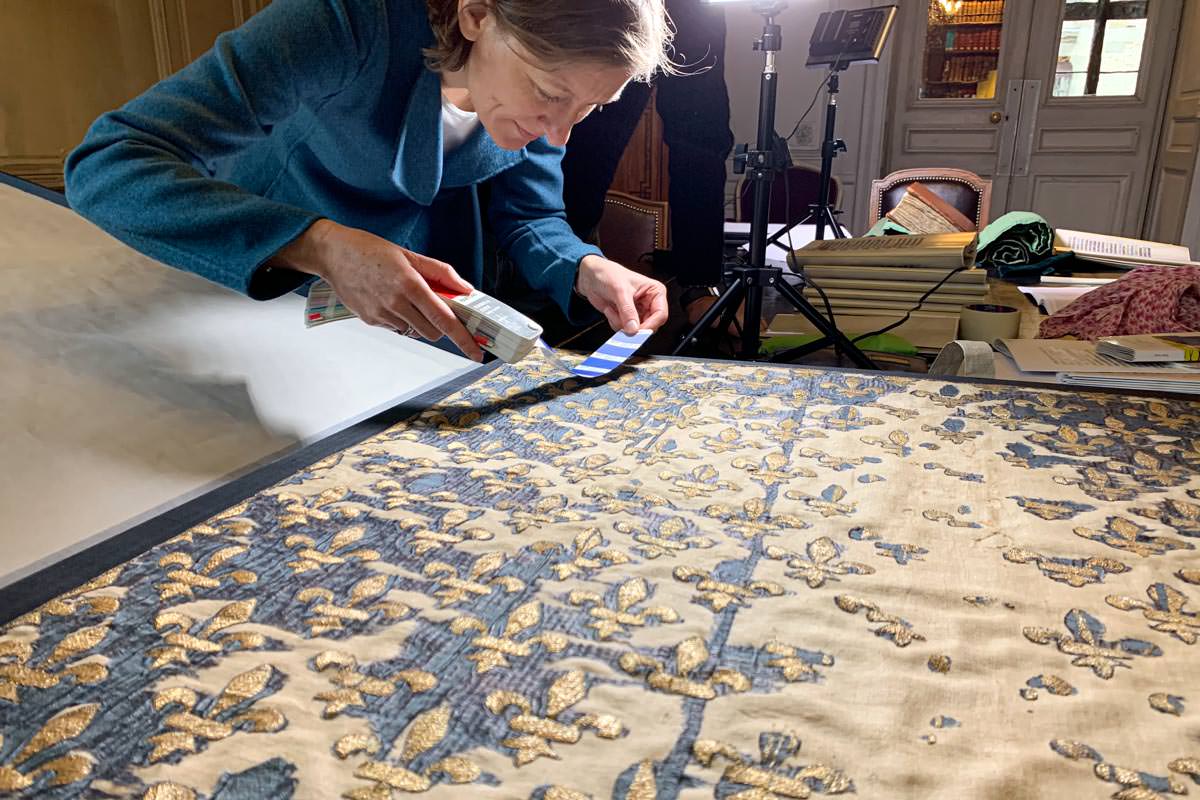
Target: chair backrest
x=966, y=191
x=631, y=228
x=790, y=199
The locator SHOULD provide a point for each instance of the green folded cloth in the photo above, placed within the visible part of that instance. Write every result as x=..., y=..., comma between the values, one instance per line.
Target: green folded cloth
x=1016, y=240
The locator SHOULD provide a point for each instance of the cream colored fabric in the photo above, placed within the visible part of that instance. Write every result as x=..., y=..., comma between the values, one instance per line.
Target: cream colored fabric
x=694, y=580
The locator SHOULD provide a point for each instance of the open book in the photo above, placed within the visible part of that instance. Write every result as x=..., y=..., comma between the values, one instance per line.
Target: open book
x=922, y=211
x=1119, y=251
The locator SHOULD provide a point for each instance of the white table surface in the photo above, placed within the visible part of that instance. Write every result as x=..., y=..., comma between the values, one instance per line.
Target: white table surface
x=128, y=388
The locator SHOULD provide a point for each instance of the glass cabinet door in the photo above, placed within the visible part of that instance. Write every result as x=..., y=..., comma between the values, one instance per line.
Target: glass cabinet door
x=962, y=49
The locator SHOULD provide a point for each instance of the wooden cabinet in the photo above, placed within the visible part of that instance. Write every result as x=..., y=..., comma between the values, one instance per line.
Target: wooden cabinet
x=65, y=62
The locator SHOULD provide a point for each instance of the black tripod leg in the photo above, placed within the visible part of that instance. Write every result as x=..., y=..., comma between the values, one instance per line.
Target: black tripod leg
x=829, y=331
x=731, y=298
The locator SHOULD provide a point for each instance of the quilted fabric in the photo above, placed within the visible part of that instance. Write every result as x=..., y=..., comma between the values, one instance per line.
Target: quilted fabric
x=695, y=580
x=1146, y=300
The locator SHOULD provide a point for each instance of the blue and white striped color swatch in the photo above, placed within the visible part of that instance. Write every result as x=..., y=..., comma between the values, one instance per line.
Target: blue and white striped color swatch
x=612, y=354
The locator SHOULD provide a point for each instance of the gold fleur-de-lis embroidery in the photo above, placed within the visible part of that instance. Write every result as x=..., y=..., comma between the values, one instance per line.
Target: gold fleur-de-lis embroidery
x=1178, y=514
x=851, y=386
x=641, y=500
x=589, y=555
x=535, y=734
x=1051, y=683
x=230, y=522
x=950, y=401
x=83, y=600
x=426, y=732
x=1134, y=783
x=1123, y=534
x=309, y=557
x=185, y=637
x=769, y=777
x=1074, y=572
x=845, y=418
x=300, y=510
x=396, y=496
x=787, y=659
x=662, y=449
x=958, y=437
x=485, y=451
x=718, y=594
x=455, y=589
x=621, y=614
x=446, y=532
x=935, y=515
x=772, y=469
x=667, y=540
x=903, y=414
x=73, y=765
x=184, y=578
x=703, y=481
x=326, y=615
x=744, y=407
x=551, y=510
x=1100, y=485
x=819, y=562
x=829, y=504
x=690, y=678
x=752, y=519
x=1166, y=612
x=353, y=686
x=1191, y=576
x=599, y=408
x=1148, y=470
x=516, y=641
x=589, y=468
x=1050, y=406
x=1166, y=703
x=1086, y=644
x=570, y=442
x=899, y=631
x=786, y=432
x=830, y=460
x=1071, y=441
x=509, y=480
x=234, y=709
x=724, y=441
x=18, y=672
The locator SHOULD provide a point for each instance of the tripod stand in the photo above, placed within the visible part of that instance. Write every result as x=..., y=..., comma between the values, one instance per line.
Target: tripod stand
x=763, y=164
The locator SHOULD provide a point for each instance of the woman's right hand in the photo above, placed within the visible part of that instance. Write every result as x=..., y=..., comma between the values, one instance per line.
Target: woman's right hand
x=383, y=283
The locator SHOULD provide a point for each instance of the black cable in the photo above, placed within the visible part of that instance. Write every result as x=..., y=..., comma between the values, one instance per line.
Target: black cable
x=909, y=313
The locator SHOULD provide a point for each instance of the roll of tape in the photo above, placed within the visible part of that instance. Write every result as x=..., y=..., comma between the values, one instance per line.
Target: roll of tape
x=983, y=322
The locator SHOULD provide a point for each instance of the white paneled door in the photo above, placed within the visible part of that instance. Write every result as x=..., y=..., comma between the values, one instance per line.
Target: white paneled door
x=1059, y=102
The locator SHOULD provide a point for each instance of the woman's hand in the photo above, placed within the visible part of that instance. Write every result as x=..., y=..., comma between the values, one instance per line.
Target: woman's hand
x=630, y=301
x=383, y=283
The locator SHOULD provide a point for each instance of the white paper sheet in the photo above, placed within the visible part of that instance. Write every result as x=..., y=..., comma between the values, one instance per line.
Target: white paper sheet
x=129, y=387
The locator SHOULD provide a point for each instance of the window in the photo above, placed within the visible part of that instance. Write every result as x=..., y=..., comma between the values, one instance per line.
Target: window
x=1100, y=47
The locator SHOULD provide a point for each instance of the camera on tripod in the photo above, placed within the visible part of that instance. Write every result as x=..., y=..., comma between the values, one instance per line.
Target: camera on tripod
x=841, y=38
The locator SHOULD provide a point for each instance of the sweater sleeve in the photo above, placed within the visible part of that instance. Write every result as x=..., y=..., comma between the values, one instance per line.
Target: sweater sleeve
x=144, y=171
x=530, y=222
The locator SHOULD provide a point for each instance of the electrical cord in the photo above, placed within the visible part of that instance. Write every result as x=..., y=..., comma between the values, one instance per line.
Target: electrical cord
x=909, y=313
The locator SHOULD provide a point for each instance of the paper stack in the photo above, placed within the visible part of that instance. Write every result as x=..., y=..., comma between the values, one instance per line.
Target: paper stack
x=890, y=274
x=1076, y=363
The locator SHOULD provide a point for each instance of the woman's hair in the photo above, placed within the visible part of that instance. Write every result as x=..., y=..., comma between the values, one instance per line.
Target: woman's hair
x=634, y=34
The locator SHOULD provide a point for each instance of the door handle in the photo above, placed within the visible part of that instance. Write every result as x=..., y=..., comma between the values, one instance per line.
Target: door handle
x=995, y=117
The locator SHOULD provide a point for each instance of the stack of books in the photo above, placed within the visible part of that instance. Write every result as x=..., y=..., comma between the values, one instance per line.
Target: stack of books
x=874, y=275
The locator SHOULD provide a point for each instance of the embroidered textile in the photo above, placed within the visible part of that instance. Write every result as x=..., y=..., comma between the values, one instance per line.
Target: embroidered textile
x=694, y=580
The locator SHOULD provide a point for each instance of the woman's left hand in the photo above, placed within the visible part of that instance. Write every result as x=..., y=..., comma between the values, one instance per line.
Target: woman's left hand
x=629, y=300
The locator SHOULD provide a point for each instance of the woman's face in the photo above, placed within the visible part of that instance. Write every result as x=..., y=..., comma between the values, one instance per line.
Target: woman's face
x=517, y=99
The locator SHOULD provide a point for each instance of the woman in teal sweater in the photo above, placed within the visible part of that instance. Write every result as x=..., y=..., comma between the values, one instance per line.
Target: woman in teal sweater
x=347, y=139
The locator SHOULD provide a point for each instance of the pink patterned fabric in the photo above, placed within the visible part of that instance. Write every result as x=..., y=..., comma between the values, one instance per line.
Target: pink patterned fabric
x=1146, y=300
